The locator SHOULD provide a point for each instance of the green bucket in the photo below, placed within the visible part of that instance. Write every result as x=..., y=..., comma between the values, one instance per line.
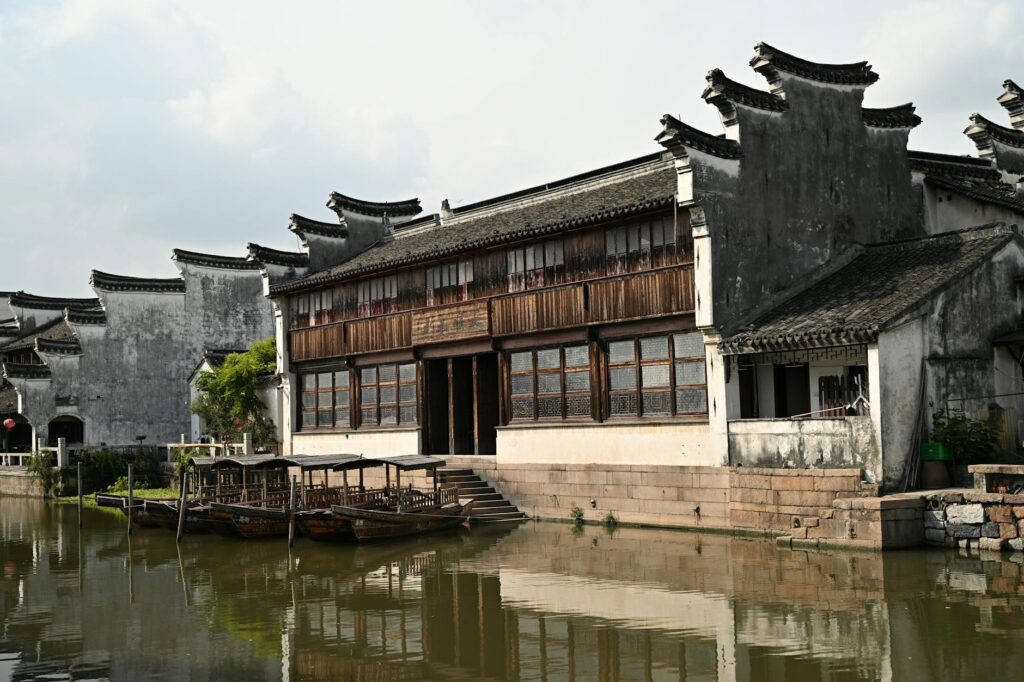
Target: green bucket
x=935, y=452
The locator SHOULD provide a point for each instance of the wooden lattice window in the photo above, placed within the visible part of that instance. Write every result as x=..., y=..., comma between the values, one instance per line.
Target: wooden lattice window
x=550, y=383
x=657, y=376
x=388, y=395
x=378, y=296
x=640, y=245
x=449, y=283
x=325, y=400
x=536, y=265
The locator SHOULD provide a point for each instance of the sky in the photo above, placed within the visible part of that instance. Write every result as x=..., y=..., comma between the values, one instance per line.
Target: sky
x=129, y=128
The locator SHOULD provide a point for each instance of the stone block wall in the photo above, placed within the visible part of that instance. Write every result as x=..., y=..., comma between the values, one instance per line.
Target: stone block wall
x=975, y=520
x=726, y=498
x=17, y=481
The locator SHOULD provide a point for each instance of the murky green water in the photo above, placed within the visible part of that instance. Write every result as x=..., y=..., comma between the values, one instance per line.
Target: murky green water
x=535, y=602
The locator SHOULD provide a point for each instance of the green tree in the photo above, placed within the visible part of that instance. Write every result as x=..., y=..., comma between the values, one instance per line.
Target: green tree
x=228, y=395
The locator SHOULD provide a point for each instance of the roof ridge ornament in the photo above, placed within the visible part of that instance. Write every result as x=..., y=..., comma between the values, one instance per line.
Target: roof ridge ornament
x=375, y=209
x=1012, y=100
x=724, y=93
x=679, y=135
x=302, y=225
x=265, y=254
x=770, y=61
x=901, y=116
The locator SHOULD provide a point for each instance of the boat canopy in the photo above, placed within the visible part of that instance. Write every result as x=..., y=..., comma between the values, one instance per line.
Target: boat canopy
x=412, y=462
x=201, y=461
x=318, y=462
x=241, y=461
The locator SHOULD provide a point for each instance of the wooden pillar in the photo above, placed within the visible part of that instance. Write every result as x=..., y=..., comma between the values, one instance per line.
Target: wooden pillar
x=476, y=409
x=182, y=504
x=451, y=407
x=79, y=467
x=502, y=389
x=245, y=484
x=131, y=496
x=344, y=484
x=362, y=488
x=291, y=514
x=398, y=488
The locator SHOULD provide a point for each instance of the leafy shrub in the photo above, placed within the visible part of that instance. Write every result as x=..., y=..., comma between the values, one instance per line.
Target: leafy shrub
x=39, y=465
x=609, y=520
x=121, y=485
x=576, y=514
x=971, y=441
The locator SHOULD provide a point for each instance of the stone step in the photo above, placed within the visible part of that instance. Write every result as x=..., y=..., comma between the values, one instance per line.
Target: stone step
x=485, y=504
x=495, y=518
x=473, y=488
x=484, y=496
x=444, y=471
x=492, y=511
x=461, y=478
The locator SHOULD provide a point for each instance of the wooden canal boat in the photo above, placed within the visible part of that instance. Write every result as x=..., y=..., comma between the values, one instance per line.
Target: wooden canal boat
x=159, y=513
x=403, y=511
x=269, y=516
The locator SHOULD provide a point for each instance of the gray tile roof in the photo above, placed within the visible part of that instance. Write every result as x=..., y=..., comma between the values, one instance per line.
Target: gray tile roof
x=649, y=185
x=56, y=330
x=880, y=284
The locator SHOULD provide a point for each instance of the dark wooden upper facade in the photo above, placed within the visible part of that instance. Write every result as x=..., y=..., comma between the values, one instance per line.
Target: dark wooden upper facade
x=634, y=269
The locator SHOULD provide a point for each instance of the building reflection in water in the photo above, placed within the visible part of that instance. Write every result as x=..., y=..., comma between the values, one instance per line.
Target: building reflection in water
x=536, y=602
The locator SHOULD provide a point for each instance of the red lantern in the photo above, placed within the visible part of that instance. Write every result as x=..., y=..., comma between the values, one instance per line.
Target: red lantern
x=9, y=424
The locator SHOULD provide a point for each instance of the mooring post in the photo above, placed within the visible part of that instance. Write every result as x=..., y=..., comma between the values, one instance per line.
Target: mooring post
x=131, y=496
x=182, y=505
x=79, y=468
x=291, y=516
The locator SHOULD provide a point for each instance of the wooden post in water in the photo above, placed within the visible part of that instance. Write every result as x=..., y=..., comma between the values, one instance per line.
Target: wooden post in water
x=182, y=505
x=265, y=492
x=398, y=487
x=344, y=483
x=79, y=467
x=291, y=515
x=131, y=496
x=362, y=489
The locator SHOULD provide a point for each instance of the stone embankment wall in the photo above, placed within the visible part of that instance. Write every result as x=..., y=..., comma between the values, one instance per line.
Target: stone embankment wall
x=17, y=481
x=975, y=520
x=724, y=498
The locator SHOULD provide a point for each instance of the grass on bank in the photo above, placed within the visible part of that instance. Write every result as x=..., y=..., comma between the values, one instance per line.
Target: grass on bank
x=142, y=494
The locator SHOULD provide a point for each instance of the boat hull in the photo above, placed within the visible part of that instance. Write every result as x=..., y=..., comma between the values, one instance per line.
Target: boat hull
x=371, y=525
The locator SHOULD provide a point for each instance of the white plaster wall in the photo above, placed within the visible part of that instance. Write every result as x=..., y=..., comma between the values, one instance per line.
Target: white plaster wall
x=946, y=211
x=689, y=444
x=899, y=367
x=843, y=442
x=366, y=443
x=1008, y=380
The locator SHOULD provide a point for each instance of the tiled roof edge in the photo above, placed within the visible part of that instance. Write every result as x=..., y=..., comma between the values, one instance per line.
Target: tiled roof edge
x=264, y=254
x=722, y=90
x=22, y=300
x=213, y=260
x=676, y=132
x=108, y=282
x=377, y=209
x=302, y=225
x=768, y=59
x=13, y=370
x=901, y=116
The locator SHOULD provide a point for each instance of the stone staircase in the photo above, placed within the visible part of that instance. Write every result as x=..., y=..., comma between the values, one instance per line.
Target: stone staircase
x=489, y=506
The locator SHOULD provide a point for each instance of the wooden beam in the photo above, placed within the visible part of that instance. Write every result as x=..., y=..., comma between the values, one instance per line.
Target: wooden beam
x=476, y=408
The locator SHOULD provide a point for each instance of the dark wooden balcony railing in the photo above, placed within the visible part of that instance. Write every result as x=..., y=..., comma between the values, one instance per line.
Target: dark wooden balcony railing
x=313, y=343
x=389, y=332
x=653, y=293
x=666, y=291
x=539, y=310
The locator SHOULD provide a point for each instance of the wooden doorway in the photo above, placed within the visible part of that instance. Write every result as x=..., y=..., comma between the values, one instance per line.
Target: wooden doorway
x=461, y=405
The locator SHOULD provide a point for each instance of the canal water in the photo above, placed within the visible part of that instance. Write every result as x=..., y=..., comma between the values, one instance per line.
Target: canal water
x=539, y=601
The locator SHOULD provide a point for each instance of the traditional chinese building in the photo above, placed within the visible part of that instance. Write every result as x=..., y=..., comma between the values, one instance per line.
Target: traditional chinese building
x=115, y=368
x=796, y=291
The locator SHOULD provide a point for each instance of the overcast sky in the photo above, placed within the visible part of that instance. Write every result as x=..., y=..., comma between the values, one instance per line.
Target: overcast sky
x=130, y=127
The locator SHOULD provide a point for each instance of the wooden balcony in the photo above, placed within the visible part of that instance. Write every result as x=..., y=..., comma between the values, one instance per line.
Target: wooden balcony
x=389, y=332
x=313, y=343
x=635, y=296
x=667, y=291
x=539, y=310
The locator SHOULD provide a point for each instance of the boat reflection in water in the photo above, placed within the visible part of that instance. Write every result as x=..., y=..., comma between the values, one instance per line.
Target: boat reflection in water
x=537, y=601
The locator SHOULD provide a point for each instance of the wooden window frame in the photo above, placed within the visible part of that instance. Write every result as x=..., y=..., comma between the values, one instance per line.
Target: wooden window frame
x=640, y=245
x=535, y=372
x=672, y=362
x=316, y=391
x=524, y=272
x=377, y=296
x=449, y=282
x=379, y=405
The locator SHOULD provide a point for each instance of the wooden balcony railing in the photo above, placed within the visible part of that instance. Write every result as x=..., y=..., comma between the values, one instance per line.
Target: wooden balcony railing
x=539, y=310
x=666, y=291
x=390, y=332
x=313, y=343
x=634, y=296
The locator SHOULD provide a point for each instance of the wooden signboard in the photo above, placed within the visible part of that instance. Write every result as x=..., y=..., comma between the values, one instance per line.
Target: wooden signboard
x=456, y=322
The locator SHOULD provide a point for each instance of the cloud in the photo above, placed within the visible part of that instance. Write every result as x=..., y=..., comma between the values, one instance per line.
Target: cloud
x=138, y=126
